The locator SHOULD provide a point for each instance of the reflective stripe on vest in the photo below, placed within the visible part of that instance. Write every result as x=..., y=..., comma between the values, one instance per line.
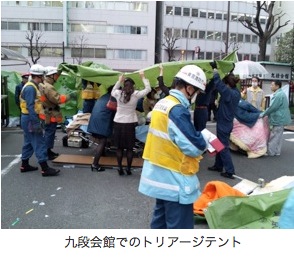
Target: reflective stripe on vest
x=172, y=157
x=53, y=119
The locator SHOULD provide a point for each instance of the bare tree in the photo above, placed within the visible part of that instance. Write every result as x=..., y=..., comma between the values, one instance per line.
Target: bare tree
x=78, y=45
x=272, y=25
x=35, y=47
x=169, y=41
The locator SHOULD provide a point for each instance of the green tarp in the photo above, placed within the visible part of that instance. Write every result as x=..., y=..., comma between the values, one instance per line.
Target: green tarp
x=106, y=76
x=248, y=212
x=109, y=77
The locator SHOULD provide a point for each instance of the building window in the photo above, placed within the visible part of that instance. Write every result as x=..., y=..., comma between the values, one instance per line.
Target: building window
x=202, y=34
x=76, y=27
x=178, y=11
x=246, y=57
x=210, y=15
x=13, y=25
x=135, y=30
x=194, y=12
x=52, y=52
x=82, y=52
x=46, y=26
x=209, y=55
x=128, y=54
x=101, y=28
x=139, y=6
x=100, y=53
x=34, y=26
x=202, y=14
x=218, y=36
x=169, y=10
x=234, y=17
x=193, y=33
x=185, y=33
x=254, y=39
x=89, y=4
x=253, y=58
x=219, y=16
x=233, y=37
x=4, y=25
x=210, y=35
x=262, y=20
x=247, y=38
x=57, y=27
x=225, y=16
x=57, y=3
x=88, y=52
x=186, y=12
x=240, y=37
x=177, y=33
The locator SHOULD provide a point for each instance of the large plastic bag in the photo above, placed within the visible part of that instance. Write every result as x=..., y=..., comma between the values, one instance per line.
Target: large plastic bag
x=252, y=212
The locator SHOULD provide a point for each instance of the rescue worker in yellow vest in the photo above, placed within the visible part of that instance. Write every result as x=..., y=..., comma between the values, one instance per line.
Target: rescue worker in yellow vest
x=31, y=109
x=90, y=94
x=172, y=153
x=51, y=99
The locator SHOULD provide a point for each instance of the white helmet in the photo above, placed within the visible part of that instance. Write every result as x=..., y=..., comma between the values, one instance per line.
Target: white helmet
x=37, y=69
x=51, y=70
x=193, y=75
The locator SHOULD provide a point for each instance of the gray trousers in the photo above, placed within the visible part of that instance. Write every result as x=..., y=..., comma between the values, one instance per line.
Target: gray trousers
x=275, y=141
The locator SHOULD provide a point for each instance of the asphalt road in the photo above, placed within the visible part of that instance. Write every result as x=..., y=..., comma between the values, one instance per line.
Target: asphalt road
x=81, y=199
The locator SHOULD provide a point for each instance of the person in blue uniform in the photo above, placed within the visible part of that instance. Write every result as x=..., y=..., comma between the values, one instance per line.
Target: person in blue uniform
x=201, y=107
x=31, y=109
x=172, y=153
x=229, y=99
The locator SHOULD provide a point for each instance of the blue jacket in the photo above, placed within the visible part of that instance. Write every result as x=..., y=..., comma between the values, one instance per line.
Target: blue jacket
x=18, y=89
x=161, y=183
x=278, y=111
x=101, y=119
x=227, y=105
x=246, y=113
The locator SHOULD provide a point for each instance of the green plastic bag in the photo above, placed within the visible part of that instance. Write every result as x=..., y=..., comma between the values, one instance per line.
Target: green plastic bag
x=251, y=212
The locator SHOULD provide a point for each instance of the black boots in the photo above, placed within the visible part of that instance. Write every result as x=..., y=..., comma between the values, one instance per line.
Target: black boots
x=47, y=171
x=25, y=166
x=51, y=154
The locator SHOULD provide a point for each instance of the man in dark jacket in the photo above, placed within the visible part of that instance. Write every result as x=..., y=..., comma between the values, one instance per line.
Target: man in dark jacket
x=229, y=99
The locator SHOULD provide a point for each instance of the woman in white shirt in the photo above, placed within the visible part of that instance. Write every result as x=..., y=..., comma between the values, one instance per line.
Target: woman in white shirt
x=125, y=119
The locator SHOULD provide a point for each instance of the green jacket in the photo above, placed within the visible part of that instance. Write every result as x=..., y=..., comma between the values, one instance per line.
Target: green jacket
x=278, y=111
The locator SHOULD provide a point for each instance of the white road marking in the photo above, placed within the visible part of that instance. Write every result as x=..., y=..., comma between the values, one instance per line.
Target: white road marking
x=11, y=165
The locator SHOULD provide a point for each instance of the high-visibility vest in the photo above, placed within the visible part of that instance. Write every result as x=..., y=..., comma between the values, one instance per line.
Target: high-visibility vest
x=38, y=105
x=91, y=92
x=159, y=149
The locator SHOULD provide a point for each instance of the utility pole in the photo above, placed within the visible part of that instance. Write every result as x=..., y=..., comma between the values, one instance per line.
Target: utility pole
x=63, y=59
x=228, y=28
x=187, y=39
